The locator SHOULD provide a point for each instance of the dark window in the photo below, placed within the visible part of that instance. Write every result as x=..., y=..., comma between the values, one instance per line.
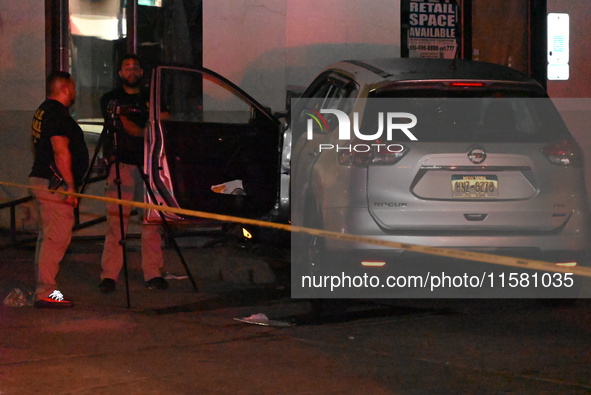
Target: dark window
x=471, y=115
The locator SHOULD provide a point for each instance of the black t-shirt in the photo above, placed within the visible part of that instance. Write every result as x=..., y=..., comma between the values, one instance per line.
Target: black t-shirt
x=130, y=149
x=52, y=118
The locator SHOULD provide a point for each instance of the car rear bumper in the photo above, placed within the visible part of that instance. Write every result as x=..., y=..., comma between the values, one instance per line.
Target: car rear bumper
x=572, y=239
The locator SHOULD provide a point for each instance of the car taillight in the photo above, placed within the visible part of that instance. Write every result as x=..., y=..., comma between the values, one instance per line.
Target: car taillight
x=564, y=153
x=467, y=84
x=366, y=153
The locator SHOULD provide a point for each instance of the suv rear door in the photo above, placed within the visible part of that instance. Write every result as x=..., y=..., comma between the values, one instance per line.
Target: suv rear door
x=330, y=90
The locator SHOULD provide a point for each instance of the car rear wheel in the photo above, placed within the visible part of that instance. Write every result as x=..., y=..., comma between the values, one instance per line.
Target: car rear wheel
x=315, y=265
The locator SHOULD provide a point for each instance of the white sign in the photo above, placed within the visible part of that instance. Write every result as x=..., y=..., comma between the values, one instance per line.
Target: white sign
x=558, y=46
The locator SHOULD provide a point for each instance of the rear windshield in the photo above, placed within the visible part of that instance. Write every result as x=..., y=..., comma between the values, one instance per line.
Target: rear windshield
x=471, y=115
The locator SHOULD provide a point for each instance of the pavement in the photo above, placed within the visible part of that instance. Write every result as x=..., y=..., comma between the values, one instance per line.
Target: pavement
x=178, y=341
x=187, y=341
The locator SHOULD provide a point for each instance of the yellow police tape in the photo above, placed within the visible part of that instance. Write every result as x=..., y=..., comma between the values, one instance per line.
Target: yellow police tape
x=444, y=252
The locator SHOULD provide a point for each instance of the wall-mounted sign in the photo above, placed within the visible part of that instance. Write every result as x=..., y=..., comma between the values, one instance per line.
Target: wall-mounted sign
x=429, y=28
x=558, y=46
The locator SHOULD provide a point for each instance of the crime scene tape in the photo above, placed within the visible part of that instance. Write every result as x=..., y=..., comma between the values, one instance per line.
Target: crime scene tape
x=436, y=251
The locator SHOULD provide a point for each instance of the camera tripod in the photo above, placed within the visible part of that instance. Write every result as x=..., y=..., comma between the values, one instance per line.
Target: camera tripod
x=113, y=126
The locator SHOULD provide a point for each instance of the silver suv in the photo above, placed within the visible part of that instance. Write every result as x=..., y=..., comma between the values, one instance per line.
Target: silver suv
x=460, y=154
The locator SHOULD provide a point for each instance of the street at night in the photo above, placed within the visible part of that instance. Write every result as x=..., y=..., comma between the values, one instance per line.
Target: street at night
x=186, y=342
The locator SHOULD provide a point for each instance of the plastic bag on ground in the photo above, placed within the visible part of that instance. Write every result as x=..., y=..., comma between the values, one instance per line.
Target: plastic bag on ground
x=19, y=298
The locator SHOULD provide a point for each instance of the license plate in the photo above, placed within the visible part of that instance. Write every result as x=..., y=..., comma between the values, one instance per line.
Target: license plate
x=474, y=186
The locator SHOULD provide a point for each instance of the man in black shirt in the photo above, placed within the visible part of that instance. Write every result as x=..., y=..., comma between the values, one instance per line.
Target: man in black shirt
x=129, y=105
x=61, y=161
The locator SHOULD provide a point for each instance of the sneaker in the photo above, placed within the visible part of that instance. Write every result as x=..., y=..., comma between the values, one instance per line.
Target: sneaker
x=157, y=283
x=54, y=301
x=107, y=285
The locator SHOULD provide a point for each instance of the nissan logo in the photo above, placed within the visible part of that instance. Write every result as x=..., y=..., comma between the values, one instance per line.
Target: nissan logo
x=477, y=155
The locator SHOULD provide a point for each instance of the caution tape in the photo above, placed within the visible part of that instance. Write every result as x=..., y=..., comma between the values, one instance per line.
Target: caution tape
x=436, y=251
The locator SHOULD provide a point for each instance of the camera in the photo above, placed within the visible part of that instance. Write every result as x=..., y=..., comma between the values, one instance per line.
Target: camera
x=115, y=110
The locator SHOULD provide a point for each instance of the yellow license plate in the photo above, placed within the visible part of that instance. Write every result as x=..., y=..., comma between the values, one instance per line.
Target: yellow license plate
x=465, y=186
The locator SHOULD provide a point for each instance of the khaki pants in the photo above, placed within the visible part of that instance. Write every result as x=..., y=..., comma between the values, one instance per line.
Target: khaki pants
x=56, y=219
x=151, y=243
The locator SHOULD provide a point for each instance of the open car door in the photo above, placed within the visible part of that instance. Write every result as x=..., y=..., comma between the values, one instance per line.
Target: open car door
x=210, y=146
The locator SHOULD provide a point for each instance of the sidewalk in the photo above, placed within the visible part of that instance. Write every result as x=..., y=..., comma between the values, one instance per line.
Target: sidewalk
x=80, y=272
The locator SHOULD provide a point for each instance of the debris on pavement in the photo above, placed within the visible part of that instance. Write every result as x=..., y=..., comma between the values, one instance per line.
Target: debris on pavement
x=170, y=276
x=262, y=319
x=19, y=298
